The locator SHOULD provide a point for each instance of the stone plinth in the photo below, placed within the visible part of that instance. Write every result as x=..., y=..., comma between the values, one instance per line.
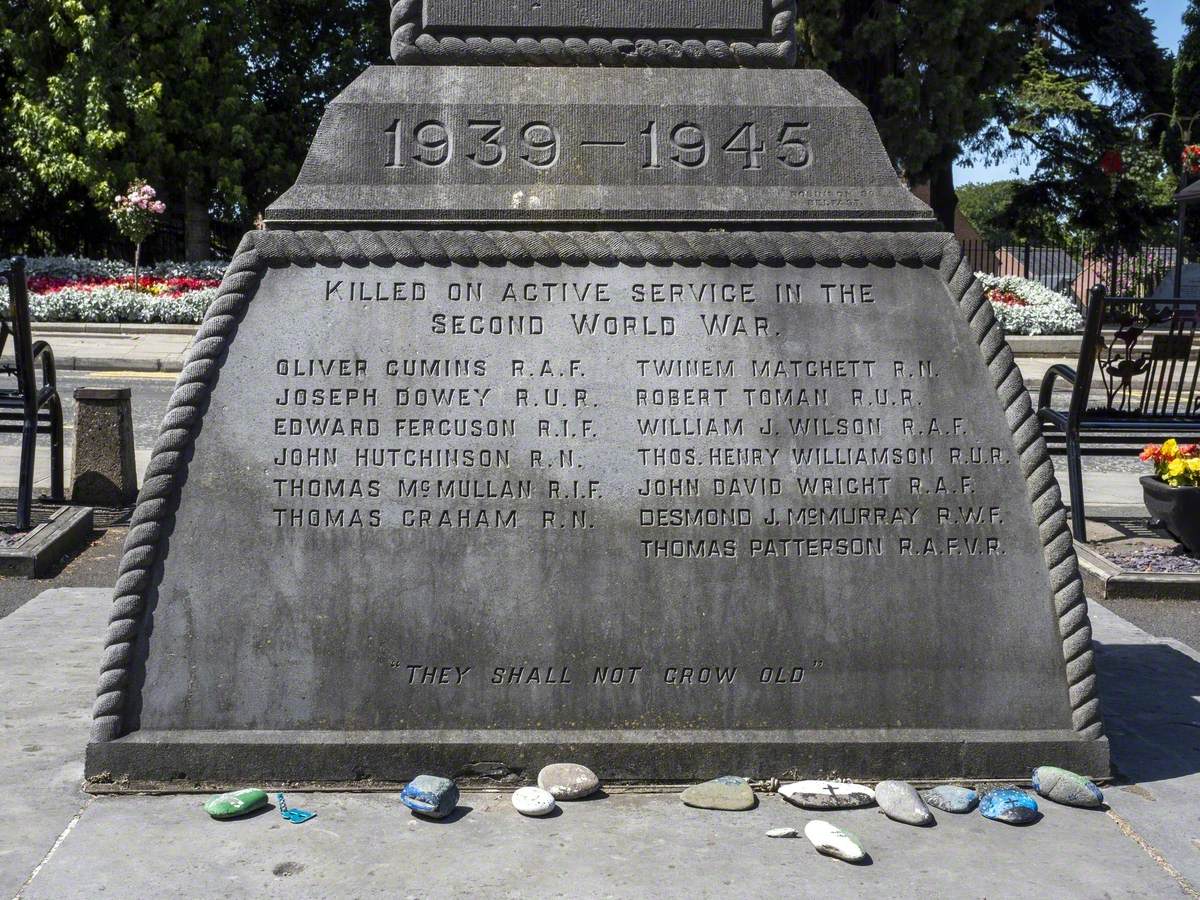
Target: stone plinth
x=105, y=472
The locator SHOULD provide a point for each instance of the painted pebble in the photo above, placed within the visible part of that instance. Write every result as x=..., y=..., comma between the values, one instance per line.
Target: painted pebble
x=430, y=796
x=827, y=795
x=727, y=792
x=783, y=833
x=833, y=841
x=1066, y=787
x=236, y=803
x=1010, y=805
x=900, y=802
x=951, y=798
x=567, y=781
x=532, y=801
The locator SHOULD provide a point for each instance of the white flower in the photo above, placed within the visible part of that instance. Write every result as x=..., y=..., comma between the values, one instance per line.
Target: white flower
x=1045, y=311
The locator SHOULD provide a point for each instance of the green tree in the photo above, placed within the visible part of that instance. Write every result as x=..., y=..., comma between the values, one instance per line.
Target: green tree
x=928, y=70
x=64, y=114
x=1090, y=74
x=987, y=207
x=302, y=54
x=1185, y=111
x=196, y=142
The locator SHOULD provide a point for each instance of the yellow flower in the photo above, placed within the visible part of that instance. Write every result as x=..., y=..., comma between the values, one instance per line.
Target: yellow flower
x=1193, y=466
x=1176, y=467
x=1170, y=449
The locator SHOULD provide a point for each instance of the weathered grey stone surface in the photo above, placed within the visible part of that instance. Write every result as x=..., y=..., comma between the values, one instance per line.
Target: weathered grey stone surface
x=446, y=144
x=105, y=472
x=674, y=33
x=438, y=463
x=763, y=493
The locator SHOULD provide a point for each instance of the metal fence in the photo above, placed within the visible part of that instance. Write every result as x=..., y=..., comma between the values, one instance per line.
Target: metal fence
x=1074, y=269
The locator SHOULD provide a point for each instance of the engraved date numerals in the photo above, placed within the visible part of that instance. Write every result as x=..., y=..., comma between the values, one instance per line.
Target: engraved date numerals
x=432, y=144
x=688, y=146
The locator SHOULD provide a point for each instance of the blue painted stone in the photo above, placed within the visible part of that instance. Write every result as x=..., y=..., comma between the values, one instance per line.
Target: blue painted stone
x=430, y=796
x=1066, y=787
x=1010, y=805
x=951, y=798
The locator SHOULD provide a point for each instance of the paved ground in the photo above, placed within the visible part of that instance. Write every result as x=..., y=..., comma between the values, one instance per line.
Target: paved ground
x=161, y=350
x=58, y=843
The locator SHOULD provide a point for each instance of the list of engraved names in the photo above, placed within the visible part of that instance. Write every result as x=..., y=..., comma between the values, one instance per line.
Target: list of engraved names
x=685, y=413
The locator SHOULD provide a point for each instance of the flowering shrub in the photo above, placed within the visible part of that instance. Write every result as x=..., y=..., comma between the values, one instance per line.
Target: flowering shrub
x=136, y=216
x=1191, y=159
x=1138, y=276
x=67, y=289
x=78, y=268
x=159, y=287
x=115, y=304
x=1027, y=307
x=1176, y=464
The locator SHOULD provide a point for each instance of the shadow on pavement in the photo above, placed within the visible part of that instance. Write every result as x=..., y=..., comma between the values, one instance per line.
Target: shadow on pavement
x=1150, y=701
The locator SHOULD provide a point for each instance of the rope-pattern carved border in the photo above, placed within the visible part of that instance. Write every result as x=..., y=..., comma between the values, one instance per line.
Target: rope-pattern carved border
x=411, y=46
x=1070, y=605
x=262, y=250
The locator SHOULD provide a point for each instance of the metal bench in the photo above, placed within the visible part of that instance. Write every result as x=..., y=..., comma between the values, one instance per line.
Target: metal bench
x=29, y=409
x=1144, y=353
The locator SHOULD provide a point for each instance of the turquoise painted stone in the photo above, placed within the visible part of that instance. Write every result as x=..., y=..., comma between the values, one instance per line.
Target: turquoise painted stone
x=727, y=792
x=236, y=803
x=1066, y=787
x=430, y=796
x=1010, y=805
x=951, y=798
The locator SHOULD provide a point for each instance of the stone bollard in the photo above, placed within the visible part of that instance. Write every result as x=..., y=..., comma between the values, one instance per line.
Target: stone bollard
x=105, y=473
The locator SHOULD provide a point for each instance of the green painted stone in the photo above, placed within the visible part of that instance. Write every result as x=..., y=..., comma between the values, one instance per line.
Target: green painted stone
x=236, y=803
x=1066, y=787
x=727, y=792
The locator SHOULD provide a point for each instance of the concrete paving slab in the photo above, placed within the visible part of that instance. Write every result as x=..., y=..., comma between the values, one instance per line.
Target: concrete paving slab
x=625, y=845
x=49, y=659
x=620, y=846
x=1150, y=699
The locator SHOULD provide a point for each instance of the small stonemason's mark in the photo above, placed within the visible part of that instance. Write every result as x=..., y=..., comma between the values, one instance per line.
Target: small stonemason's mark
x=286, y=869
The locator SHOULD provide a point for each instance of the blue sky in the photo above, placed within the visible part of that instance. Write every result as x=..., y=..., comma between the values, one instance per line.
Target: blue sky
x=1167, y=16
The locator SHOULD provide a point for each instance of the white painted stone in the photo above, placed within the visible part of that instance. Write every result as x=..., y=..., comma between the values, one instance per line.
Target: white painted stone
x=568, y=781
x=783, y=833
x=833, y=841
x=532, y=801
x=827, y=794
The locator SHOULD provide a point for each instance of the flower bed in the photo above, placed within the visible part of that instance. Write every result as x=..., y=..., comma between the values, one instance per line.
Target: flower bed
x=1027, y=307
x=67, y=289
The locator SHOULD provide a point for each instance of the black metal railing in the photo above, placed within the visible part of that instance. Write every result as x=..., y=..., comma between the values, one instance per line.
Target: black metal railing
x=1075, y=268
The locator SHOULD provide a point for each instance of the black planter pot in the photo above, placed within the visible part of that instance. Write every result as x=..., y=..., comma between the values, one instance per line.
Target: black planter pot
x=1177, y=507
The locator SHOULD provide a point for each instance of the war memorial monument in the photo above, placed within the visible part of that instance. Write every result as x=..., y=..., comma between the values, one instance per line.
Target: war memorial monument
x=598, y=392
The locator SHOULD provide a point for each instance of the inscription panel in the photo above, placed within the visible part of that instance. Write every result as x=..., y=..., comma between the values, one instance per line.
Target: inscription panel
x=597, y=15
x=605, y=497
x=594, y=145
